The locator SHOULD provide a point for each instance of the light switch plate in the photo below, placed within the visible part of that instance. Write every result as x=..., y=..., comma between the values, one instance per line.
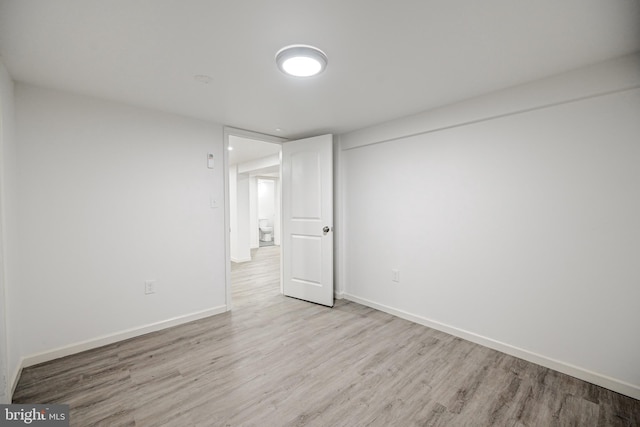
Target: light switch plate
x=395, y=275
x=149, y=287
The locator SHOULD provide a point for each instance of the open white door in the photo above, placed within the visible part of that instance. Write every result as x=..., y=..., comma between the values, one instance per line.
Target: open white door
x=307, y=212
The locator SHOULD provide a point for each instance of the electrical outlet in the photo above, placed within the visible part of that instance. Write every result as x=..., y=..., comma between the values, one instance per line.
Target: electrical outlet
x=149, y=287
x=395, y=275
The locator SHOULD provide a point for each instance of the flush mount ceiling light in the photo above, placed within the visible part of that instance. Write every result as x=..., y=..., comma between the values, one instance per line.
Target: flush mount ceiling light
x=301, y=60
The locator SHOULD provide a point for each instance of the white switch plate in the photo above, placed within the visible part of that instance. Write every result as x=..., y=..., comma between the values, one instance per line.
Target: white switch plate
x=149, y=287
x=395, y=275
x=210, y=160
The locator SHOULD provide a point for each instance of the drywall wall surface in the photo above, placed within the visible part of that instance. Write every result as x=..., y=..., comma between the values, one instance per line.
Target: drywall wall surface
x=520, y=230
x=112, y=196
x=239, y=241
x=8, y=217
x=244, y=232
x=253, y=213
x=233, y=212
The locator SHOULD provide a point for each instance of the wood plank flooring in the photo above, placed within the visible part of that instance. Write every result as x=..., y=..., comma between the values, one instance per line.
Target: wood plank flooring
x=278, y=361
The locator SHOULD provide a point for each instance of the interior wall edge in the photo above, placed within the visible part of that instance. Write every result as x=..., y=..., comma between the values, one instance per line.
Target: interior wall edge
x=614, y=384
x=8, y=221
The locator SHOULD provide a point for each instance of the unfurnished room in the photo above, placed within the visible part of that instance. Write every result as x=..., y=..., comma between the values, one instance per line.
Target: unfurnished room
x=319, y=213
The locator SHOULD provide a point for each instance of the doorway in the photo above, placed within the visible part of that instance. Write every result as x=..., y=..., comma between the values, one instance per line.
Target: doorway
x=253, y=206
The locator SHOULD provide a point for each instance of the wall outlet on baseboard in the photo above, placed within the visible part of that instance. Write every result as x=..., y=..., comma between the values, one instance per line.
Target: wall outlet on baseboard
x=395, y=275
x=149, y=287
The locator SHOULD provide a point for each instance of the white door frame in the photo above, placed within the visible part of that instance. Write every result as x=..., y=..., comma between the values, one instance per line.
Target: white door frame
x=227, y=214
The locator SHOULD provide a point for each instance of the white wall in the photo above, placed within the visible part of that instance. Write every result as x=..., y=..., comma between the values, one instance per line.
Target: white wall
x=110, y=196
x=233, y=212
x=254, y=234
x=513, y=219
x=8, y=218
x=277, y=236
x=266, y=200
x=244, y=231
x=240, y=244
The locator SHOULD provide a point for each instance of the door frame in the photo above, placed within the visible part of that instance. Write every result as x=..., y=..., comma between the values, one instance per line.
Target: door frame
x=231, y=131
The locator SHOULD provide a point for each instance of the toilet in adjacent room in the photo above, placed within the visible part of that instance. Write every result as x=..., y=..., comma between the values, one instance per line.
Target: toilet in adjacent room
x=266, y=232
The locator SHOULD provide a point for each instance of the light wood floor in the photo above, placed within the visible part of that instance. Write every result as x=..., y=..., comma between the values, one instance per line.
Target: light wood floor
x=277, y=361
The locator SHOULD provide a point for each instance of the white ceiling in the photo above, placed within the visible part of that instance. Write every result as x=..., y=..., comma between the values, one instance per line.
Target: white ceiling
x=387, y=59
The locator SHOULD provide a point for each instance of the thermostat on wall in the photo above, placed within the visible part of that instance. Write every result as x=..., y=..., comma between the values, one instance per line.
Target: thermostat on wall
x=210, y=160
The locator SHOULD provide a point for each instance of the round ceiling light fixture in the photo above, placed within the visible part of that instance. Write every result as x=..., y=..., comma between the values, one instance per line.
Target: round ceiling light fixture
x=300, y=60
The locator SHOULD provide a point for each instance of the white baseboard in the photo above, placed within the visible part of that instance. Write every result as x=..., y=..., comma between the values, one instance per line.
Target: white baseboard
x=236, y=260
x=614, y=384
x=338, y=295
x=92, y=343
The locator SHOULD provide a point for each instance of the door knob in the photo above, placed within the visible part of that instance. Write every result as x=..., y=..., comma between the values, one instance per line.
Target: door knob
x=326, y=229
